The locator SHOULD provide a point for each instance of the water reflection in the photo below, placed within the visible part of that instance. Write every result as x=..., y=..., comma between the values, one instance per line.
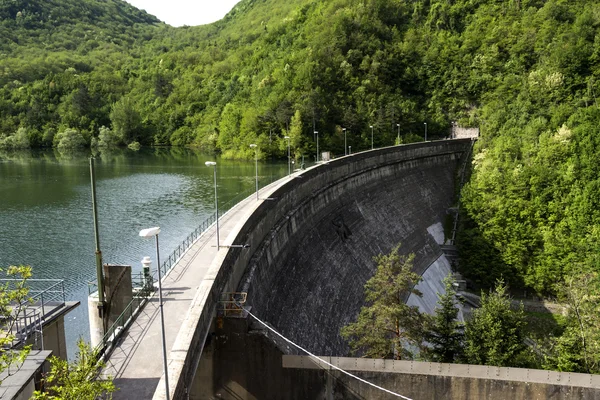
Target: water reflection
x=46, y=216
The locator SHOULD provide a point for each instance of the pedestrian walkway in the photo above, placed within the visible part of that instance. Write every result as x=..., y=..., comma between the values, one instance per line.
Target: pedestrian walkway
x=136, y=361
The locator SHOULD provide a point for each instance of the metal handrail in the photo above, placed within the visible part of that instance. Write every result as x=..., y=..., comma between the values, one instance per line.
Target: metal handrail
x=53, y=293
x=143, y=292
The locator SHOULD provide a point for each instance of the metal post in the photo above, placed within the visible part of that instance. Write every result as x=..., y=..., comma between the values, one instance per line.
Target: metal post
x=289, y=157
x=256, y=167
x=371, y=126
x=162, y=321
x=425, y=130
x=345, y=143
x=99, y=274
x=317, y=133
x=398, y=125
x=216, y=203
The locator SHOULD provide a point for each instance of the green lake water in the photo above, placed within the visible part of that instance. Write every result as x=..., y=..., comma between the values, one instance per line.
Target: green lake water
x=46, y=218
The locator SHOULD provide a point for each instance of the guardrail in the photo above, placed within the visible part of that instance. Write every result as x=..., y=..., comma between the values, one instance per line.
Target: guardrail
x=44, y=297
x=142, y=292
x=41, y=292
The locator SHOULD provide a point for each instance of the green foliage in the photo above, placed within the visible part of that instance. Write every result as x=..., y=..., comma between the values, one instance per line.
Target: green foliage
x=13, y=297
x=578, y=348
x=495, y=333
x=20, y=140
x=108, y=138
x=135, y=146
x=445, y=332
x=77, y=380
x=388, y=327
x=126, y=121
x=69, y=139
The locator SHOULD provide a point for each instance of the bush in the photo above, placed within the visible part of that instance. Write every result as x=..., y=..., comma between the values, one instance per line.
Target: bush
x=19, y=140
x=69, y=139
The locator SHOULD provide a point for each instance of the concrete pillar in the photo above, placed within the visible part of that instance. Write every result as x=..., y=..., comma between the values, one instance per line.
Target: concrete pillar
x=118, y=293
x=96, y=321
x=117, y=289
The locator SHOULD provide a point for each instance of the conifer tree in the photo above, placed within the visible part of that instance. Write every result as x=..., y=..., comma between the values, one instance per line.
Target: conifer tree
x=494, y=334
x=445, y=334
x=387, y=327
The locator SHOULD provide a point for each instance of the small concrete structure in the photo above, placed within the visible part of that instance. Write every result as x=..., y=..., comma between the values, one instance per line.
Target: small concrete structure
x=53, y=329
x=458, y=132
x=118, y=294
x=20, y=381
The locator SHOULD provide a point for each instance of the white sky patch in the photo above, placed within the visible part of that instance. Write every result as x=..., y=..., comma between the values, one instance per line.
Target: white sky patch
x=186, y=12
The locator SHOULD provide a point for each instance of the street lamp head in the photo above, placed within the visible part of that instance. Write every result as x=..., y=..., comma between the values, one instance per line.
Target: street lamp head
x=316, y=132
x=425, y=123
x=150, y=232
x=397, y=124
x=210, y=163
x=344, y=129
x=371, y=126
x=286, y=137
x=253, y=145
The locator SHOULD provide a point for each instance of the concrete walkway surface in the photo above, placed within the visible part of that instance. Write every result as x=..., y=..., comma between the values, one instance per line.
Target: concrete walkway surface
x=136, y=363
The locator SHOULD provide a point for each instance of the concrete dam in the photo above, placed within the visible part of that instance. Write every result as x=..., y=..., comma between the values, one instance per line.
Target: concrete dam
x=298, y=255
x=307, y=277
x=312, y=243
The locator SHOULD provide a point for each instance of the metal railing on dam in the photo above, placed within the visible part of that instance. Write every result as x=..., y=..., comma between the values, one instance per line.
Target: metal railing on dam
x=142, y=291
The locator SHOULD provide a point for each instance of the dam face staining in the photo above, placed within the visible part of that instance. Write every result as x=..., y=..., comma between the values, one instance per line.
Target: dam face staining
x=312, y=288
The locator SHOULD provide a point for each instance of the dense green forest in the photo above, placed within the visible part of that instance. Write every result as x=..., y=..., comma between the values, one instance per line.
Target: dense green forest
x=101, y=73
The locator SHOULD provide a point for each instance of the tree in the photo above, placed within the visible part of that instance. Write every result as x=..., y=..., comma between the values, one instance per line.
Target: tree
x=107, y=138
x=445, y=332
x=578, y=349
x=69, y=139
x=13, y=297
x=388, y=327
x=78, y=380
x=126, y=120
x=494, y=334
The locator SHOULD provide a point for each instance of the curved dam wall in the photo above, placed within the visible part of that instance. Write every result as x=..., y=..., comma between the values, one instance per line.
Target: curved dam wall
x=312, y=244
x=307, y=277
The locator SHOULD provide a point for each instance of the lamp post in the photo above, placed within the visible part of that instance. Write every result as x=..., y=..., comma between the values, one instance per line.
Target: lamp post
x=317, y=133
x=289, y=158
x=425, y=130
x=398, y=125
x=345, y=143
x=146, y=233
x=371, y=126
x=214, y=165
x=255, y=147
x=349, y=150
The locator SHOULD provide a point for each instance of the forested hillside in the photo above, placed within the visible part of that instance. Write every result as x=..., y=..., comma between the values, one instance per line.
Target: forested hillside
x=101, y=73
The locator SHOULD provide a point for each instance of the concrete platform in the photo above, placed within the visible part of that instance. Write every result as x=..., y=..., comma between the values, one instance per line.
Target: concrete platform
x=19, y=381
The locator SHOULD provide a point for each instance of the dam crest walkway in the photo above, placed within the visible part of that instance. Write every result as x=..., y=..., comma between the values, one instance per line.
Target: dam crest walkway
x=135, y=363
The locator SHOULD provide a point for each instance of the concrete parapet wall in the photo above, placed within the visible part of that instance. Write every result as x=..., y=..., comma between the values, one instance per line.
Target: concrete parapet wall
x=327, y=218
x=424, y=380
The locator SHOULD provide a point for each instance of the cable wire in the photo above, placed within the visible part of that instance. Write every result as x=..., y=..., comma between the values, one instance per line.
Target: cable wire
x=323, y=361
